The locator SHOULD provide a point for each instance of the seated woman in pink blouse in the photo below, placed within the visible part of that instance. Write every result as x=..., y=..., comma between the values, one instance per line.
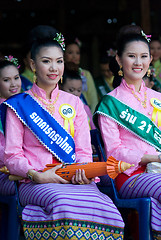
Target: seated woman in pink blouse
x=10, y=84
x=130, y=124
x=44, y=126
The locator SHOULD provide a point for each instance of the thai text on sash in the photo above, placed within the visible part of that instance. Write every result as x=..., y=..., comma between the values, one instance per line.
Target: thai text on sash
x=52, y=134
x=132, y=120
x=43, y=125
x=143, y=125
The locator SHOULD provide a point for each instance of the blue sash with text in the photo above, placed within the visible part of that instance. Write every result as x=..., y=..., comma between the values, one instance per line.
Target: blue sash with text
x=43, y=125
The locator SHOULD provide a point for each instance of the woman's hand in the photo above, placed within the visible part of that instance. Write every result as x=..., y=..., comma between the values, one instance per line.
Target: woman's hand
x=80, y=178
x=149, y=158
x=48, y=176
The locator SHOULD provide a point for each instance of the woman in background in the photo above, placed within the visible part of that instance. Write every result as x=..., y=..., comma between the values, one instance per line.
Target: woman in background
x=10, y=84
x=155, y=49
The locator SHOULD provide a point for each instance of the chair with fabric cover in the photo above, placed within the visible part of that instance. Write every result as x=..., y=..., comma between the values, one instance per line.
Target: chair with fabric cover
x=11, y=212
x=141, y=205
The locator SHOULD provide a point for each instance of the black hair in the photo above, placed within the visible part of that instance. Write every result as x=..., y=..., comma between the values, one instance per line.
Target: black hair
x=128, y=38
x=44, y=42
x=38, y=32
x=128, y=29
x=114, y=67
x=127, y=34
x=71, y=74
x=5, y=63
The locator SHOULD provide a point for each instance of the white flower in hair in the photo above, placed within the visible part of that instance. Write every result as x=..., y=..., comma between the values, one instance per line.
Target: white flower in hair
x=60, y=39
x=13, y=60
x=147, y=37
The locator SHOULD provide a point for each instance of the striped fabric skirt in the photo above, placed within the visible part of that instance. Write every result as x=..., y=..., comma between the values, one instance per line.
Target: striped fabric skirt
x=7, y=187
x=147, y=185
x=67, y=211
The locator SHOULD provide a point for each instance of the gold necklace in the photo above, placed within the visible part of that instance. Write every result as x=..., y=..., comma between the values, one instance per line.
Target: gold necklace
x=143, y=103
x=49, y=106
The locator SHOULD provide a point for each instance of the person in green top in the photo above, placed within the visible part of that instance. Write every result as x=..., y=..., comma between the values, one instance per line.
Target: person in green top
x=155, y=49
x=104, y=82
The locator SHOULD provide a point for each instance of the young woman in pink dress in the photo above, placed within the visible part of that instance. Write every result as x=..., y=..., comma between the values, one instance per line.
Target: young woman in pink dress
x=129, y=120
x=44, y=126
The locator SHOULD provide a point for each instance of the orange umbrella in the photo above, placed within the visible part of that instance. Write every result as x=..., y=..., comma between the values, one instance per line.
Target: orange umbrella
x=93, y=169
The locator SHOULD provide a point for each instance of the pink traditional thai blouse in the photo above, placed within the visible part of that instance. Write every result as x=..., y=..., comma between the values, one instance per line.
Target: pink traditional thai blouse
x=23, y=150
x=2, y=143
x=119, y=142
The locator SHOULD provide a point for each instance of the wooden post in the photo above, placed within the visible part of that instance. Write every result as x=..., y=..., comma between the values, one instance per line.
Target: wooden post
x=145, y=16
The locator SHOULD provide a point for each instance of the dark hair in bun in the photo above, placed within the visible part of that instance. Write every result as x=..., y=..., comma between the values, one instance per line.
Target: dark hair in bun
x=127, y=34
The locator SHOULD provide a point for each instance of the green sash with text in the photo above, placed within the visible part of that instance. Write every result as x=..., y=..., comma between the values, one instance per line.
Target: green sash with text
x=130, y=119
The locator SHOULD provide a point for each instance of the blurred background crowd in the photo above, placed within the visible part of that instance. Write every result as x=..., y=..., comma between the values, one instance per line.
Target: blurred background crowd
x=93, y=25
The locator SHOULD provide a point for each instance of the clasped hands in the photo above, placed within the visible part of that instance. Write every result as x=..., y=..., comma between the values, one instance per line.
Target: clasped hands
x=50, y=176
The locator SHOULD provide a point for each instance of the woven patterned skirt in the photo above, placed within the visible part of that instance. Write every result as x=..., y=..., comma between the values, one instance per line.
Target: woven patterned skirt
x=7, y=187
x=67, y=211
x=147, y=185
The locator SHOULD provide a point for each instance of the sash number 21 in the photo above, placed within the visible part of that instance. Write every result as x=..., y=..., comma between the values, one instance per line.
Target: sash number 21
x=143, y=125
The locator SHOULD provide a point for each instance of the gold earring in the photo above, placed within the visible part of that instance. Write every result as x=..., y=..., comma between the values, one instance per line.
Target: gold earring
x=34, y=77
x=61, y=80
x=120, y=72
x=148, y=72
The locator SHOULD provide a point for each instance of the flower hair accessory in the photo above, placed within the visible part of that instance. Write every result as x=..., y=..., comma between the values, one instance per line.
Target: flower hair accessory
x=111, y=52
x=78, y=42
x=12, y=60
x=147, y=37
x=60, y=39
